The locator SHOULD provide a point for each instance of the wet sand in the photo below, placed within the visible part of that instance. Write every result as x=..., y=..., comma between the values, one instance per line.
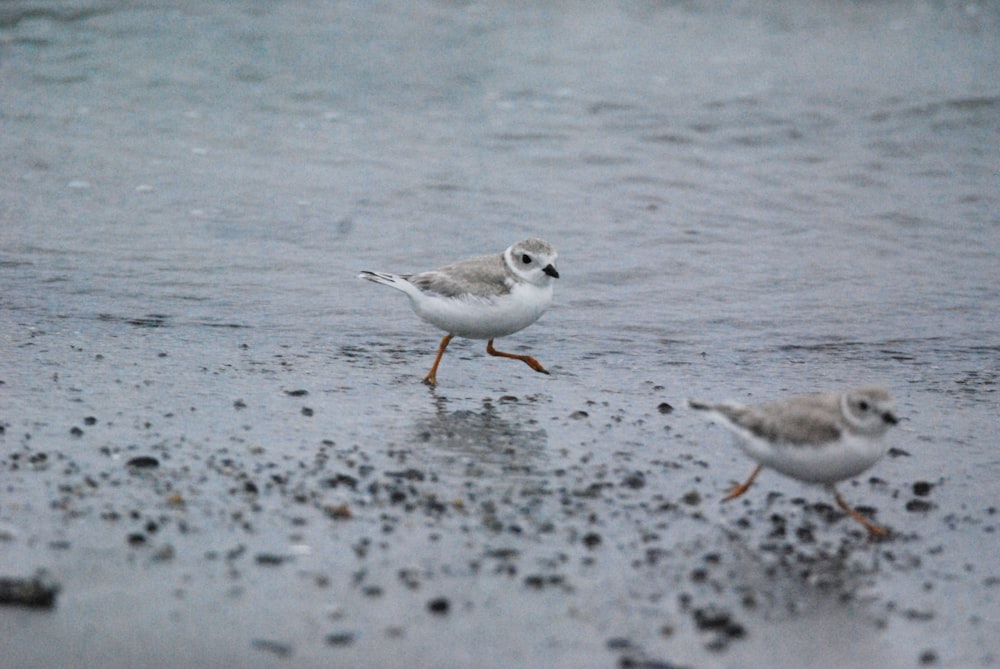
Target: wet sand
x=233, y=502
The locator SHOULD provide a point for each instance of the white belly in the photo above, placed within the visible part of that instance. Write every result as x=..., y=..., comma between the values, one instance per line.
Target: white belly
x=485, y=318
x=827, y=463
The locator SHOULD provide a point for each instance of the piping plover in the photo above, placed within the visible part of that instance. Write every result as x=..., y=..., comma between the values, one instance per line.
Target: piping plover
x=482, y=298
x=816, y=438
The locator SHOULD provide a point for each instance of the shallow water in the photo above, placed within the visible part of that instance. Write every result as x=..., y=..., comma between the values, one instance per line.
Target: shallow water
x=749, y=200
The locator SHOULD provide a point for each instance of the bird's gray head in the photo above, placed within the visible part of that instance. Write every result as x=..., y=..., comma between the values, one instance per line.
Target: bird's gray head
x=533, y=260
x=868, y=410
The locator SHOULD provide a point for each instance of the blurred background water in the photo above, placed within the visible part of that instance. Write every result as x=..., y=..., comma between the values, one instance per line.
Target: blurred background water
x=806, y=193
x=827, y=169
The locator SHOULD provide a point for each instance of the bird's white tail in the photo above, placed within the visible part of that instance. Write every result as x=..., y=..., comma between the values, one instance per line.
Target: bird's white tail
x=396, y=281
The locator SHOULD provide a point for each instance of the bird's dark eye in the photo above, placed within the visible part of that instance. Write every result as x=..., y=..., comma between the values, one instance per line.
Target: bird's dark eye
x=526, y=259
x=863, y=405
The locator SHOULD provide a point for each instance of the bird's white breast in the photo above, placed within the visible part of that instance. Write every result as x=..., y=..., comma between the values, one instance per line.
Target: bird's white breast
x=475, y=317
x=817, y=463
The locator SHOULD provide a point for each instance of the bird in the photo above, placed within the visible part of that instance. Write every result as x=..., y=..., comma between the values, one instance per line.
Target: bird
x=820, y=438
x=485, y=297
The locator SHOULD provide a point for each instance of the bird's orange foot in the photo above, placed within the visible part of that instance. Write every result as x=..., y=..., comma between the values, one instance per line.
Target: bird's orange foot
x=526, y=359
x=873, y=529
x=534, y=364
x=735, y=491
x=738, y=490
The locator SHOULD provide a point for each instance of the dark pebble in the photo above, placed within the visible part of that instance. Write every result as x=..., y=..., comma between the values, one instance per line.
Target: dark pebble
x=922, y=488
x=410, y=578
x=269, y=559
x=75, y=431
x=143, y=462
x=239, y=404
x=928, y=657
x=338, y=511
x=306, y=411
x=539, y=581
x=579, y=414
x=919, y=505
x=665, y=408
x=628, y=662
x=692, y=498
x=439, y=606
x=592, y=540
x=635, y=480
x=340, y=639
x=35, y=592
x=618, y=643
x=345, y=480
x=89, y=420
x=805, y=535
x=136, y=539
x=536, y=581
x=711, y=618
x=273, y=647
x=296, y=393
x=372, y=591
x=408, y=474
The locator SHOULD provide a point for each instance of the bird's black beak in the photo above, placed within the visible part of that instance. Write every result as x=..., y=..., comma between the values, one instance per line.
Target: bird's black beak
x=551, y=271
x=890, y=418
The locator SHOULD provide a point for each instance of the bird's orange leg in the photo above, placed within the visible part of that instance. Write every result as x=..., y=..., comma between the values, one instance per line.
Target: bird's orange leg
x=738, y=490
x=526, y=359
x=873, y=529
x=431, y=378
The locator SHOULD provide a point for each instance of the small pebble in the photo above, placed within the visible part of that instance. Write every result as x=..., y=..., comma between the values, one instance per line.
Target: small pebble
x=919, y=505
x=340, y=638
x=928, y=657
x=635, y=480
x=143, y=462
x=35, y=592
x=692, y=498
x=269, y=559
x=273, y=647
x=439, y=606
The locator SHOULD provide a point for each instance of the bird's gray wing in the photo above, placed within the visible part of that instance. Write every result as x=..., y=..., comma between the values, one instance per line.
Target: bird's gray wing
x=481, y=277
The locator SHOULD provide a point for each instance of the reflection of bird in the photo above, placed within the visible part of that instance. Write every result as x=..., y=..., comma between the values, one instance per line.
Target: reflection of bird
x=816, y=438
x=482, y=298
